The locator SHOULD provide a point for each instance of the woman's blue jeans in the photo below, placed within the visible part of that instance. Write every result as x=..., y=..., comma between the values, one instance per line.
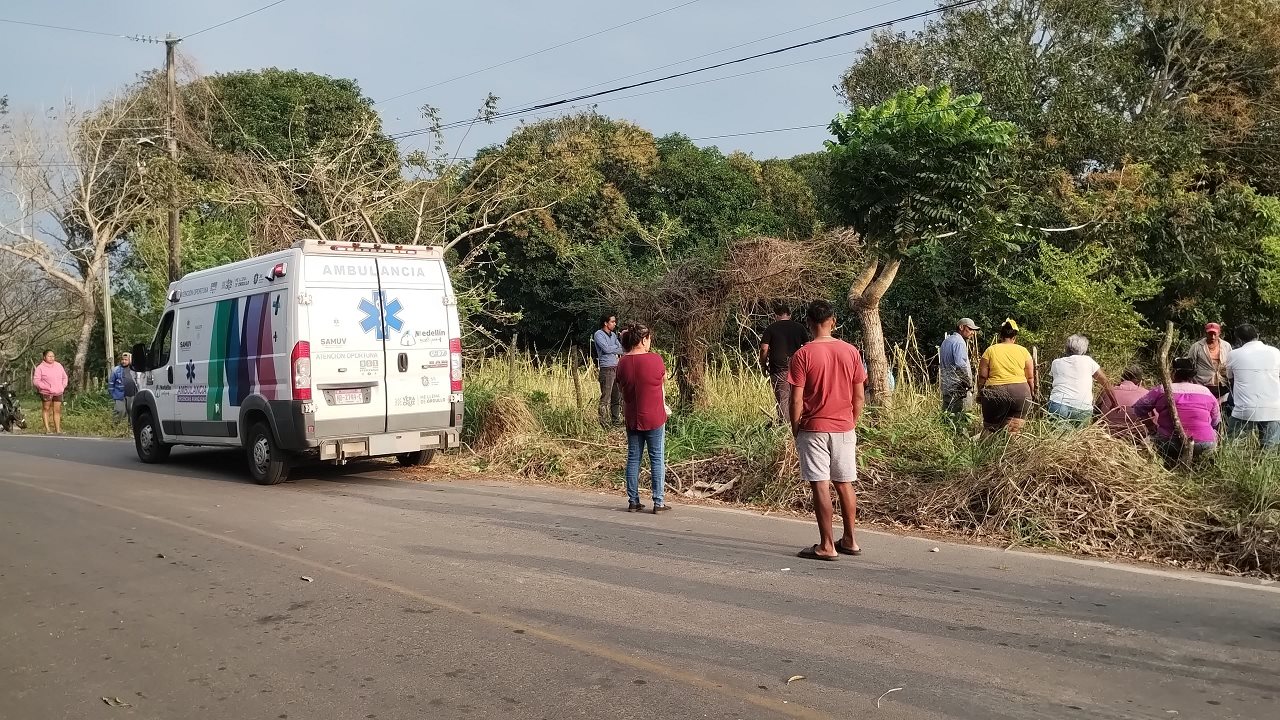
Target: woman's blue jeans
x=636, y=441
x=1069, y=415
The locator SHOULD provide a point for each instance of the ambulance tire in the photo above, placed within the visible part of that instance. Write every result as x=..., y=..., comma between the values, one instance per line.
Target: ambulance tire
x=146, y=439
x=416, y=458
x=268, y=464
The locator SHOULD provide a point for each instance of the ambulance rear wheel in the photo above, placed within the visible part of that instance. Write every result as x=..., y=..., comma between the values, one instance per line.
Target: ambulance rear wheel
x=268, y=464
x=416, y=458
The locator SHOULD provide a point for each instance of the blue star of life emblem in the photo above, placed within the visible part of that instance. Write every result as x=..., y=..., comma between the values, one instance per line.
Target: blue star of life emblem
x=191, y=371
x=380, y=316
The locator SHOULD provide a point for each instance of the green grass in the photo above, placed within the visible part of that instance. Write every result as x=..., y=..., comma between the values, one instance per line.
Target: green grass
x=85, y=414
x=1247, y=478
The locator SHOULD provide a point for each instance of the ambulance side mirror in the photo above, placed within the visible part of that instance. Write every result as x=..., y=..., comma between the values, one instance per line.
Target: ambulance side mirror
x=141, y=361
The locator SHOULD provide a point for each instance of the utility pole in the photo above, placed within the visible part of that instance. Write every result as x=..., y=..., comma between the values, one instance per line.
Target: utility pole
x=106, y=315
x=171, y=134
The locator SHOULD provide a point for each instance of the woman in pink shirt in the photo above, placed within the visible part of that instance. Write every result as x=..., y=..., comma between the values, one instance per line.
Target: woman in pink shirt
x=50, y=379
x=1197, y=409
x=1116, y=408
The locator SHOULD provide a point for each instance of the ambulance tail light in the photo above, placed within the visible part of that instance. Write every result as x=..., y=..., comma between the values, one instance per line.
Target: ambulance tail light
x=455, y=365
x=300, y=364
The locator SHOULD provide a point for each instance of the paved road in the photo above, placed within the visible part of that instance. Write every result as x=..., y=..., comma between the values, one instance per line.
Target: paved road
x=178, y=590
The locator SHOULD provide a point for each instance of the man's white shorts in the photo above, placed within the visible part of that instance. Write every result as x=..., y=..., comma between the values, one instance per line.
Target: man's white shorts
x=828, y=456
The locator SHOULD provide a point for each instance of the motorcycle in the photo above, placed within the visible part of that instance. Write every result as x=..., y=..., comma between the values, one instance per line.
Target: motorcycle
x=10, y=413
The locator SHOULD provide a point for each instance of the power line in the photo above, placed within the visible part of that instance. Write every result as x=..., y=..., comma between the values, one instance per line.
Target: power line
x=689, y=85
x=721, y=50
x=539, y=52
x=727, y=77
x=64, y=28
x=234, y=19
x=756, y=56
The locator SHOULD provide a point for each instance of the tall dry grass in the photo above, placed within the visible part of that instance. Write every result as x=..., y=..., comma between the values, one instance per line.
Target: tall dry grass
x=1080, y=491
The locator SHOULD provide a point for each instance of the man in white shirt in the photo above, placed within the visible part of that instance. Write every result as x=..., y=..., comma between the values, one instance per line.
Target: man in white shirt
x=1254, y=371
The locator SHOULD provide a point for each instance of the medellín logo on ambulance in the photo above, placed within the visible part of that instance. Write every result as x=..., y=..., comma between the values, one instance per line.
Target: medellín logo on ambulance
x=380, y=316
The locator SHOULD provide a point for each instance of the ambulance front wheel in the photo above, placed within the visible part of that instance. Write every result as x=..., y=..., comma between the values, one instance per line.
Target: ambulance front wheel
x=268, y=464
x=146, y=438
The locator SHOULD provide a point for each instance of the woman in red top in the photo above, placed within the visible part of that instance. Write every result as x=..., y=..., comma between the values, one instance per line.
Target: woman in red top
x=641, y=374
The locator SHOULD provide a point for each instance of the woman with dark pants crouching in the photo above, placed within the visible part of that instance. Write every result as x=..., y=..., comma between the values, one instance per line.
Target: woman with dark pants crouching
x=642, y=374
x=1006, y=382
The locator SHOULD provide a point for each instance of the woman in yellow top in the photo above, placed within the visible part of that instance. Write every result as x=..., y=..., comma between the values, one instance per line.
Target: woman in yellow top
x=1006, y=382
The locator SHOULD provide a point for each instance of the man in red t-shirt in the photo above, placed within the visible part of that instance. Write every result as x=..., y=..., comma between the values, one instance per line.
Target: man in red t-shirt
x=826, y=378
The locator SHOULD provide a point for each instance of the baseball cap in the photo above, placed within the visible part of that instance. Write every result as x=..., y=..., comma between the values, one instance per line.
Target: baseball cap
x=1213, y=328
x=968, y=323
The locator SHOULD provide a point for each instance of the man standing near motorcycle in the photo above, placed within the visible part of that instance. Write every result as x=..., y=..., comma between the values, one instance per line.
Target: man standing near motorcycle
x=123, y=385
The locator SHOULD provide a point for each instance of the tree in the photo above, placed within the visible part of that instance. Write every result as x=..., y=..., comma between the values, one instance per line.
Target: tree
x=85, y=172
x=1142, y=123
x=906, y=174
x=284, y=114
x=33, y=314
x=1058, y=294
x=691, y=251
x=593, y=164
x=694, y=298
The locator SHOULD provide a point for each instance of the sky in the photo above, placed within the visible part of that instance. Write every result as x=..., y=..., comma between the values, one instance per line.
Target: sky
x=394, y=46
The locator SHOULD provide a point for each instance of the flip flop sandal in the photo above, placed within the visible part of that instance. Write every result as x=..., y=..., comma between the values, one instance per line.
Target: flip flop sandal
x=811, y=553
x=842, y=550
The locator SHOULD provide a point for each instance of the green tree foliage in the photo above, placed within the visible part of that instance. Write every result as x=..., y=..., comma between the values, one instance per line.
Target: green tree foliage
x=626, y=205
x=1146, y=126
x=1062, y=293
x=232, y=126
x=282, y=114
x=530, y=263
x=906, y=174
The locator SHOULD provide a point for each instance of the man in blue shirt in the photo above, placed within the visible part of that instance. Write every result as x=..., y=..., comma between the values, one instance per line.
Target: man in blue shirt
x=123, y=386
x=955, y=371
x=608, y=351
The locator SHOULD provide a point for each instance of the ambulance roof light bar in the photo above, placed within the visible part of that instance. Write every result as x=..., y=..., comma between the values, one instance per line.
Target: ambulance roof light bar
x=358, y=247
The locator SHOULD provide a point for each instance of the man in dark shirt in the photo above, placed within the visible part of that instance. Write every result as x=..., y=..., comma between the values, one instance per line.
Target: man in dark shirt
x=781, y=340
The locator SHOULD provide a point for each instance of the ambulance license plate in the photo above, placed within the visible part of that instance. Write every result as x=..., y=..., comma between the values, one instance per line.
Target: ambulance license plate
x=348, y=397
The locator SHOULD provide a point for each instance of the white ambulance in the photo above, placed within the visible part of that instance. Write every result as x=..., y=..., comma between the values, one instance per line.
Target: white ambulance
x=329, y=350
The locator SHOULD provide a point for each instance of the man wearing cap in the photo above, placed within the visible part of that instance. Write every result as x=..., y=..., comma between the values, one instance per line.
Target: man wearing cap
x=1210, y=356
x=955, y=371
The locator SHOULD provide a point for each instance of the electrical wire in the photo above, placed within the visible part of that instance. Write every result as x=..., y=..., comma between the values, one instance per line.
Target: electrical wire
x=62, y=27
x=756, y=56
x=538, y=52
x=717, y=52
x=566, y=108
x=234, y=19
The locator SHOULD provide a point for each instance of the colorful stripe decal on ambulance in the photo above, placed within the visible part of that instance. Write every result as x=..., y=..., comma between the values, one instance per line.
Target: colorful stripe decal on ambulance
x=265, y=362
x=241, y=353
x=217, y=359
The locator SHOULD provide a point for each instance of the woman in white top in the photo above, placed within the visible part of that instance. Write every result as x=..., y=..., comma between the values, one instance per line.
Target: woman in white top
x=1073, y=374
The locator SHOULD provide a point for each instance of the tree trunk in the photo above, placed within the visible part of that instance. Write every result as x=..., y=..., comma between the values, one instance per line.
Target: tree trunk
x=1187, y=451
x=864, y=300
x=89, y=311
x=691, y=366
